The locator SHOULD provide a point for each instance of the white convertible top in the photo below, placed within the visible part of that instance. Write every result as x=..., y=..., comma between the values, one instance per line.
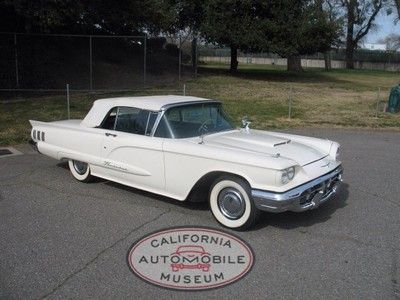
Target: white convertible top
x=154, y=103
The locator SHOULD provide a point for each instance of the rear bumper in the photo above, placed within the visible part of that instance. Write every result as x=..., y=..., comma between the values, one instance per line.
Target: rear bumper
x=304, y=197
x=33, y=145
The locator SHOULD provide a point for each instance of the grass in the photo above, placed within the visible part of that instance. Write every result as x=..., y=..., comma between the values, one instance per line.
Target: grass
x=339, y=98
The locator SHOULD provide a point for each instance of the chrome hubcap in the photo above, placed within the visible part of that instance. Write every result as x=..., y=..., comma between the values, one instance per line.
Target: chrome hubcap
x=231, y=203
x=80, y=167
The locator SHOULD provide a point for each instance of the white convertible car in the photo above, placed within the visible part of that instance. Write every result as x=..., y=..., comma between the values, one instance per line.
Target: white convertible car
x=187, y=148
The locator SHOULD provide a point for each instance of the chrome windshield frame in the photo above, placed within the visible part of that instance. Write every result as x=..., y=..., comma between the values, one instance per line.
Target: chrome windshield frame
x=165, y=108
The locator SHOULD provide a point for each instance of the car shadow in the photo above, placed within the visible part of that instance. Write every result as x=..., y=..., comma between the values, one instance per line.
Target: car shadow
x=286, y=220
x=291, y=220
x=170, y=201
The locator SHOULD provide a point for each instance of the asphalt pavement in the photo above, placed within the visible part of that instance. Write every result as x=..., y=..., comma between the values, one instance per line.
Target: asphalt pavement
x=64, y=239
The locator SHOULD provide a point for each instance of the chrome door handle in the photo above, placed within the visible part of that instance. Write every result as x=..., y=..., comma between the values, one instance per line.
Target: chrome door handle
x=110, y=134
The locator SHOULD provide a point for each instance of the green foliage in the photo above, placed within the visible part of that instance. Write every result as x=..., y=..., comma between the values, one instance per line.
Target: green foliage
x=286, y=27
x=298, y=28
x=38, y=16
x=233, y=23
x=74, y=16
x=173, y=16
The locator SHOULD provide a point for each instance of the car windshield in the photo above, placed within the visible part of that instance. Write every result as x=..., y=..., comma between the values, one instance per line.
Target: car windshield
x=193, y=120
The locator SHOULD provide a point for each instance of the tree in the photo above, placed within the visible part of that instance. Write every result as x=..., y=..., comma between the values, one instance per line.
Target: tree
x=37, y=16
x=392, y=42
x=178, y=16
x=329, y=9
x=74, y=16
x=298, y=28
x=360, y=18
x=182, y=17
x=290, y=28
x=232, y=23
x=123, y=17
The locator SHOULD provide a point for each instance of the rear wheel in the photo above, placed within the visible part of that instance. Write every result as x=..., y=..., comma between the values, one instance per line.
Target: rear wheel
x=231, y=203
x=80, y=170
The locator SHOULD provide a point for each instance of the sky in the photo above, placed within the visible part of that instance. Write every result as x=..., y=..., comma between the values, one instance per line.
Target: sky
x=385, y=26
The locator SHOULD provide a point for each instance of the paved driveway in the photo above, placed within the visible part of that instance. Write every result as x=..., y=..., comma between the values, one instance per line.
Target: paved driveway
x=65, y=239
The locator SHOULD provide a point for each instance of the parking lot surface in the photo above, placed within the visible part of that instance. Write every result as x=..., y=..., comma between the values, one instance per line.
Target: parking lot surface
x=64, y=239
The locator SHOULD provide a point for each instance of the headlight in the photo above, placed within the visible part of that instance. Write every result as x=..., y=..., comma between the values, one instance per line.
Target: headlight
x=287, y=175
x=337, y=153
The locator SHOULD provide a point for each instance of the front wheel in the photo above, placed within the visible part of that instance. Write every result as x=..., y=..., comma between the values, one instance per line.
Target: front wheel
x=80, y=170
x=231, y=203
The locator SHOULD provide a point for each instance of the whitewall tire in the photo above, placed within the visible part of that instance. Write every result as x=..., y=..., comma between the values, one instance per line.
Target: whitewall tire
x=80, y=170
x=231, y=203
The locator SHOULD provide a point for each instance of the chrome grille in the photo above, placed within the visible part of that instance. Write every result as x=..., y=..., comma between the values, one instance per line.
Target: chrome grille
x=326, y=187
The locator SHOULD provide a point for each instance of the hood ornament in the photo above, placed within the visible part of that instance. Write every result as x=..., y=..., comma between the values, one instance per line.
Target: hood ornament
x=246, y=124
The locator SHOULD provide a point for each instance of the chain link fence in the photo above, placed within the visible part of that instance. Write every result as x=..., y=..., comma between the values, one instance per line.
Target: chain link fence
x=363, y=59
x=91, y=62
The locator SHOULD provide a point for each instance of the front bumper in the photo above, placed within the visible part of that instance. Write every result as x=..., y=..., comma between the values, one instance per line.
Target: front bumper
x=304, y=197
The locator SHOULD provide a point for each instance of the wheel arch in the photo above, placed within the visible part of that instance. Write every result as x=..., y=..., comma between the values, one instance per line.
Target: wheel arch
x=200, y=190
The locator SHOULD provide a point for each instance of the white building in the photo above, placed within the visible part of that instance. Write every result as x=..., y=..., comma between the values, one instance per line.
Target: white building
x=374, y=46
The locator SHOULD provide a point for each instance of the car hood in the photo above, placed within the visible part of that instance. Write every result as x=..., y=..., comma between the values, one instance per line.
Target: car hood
x=271, y=144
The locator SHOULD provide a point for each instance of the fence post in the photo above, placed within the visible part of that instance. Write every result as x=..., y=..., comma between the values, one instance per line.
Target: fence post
x=16, y=60
x=91, y=63
x=68, y=109
x=184, y=90
x=378, y=94
x=290, y=102
x=196, y=57
x=144, y=59
x=180, y=59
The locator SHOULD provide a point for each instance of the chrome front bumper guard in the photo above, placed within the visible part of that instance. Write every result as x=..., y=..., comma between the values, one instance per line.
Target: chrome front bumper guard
x=304, y=197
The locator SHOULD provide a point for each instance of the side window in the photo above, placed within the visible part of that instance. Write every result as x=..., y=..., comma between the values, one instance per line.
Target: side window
x=109, y=121
x=131, y=120
x=163, y=129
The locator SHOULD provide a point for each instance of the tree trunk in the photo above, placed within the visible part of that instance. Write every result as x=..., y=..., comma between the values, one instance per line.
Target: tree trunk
x=351, y=6
x=349, y=57
x=234, y=61
x=398, y=8
x=194, y=55
x=327, y=59
x=294, y=63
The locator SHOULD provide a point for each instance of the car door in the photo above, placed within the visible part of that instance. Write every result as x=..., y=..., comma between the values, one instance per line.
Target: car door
x=130, y=155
